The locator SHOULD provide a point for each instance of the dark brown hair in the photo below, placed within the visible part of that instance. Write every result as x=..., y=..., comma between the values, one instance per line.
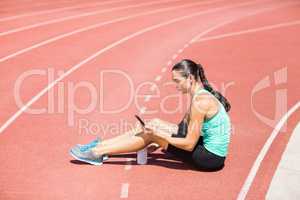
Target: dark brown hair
x=188, y=67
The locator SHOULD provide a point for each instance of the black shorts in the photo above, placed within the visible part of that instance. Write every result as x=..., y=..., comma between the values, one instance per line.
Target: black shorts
x=200, y=157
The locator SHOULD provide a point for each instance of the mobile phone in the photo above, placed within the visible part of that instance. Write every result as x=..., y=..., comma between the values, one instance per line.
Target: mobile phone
x=140, y=120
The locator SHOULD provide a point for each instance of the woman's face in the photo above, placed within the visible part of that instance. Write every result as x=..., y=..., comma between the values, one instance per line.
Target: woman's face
x=182, y=84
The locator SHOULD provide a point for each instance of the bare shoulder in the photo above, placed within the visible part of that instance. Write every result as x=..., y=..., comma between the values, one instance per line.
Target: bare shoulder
x=206, y=104
x=203, y=101
x=201, y=104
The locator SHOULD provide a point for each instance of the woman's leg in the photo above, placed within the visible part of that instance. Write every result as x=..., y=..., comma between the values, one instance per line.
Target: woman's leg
x=125, y=145
x=163, y=126
x=160, y=125
x=116, y=139
x=130, y=142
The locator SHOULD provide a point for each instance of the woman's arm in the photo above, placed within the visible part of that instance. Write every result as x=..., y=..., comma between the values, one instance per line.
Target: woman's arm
x=198, y=111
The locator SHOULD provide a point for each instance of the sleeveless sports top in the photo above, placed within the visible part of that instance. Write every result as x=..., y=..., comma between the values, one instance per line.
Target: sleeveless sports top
x=216, y=130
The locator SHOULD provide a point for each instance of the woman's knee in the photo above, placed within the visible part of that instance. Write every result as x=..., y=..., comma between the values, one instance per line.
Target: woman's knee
x=146, y=137
x=152, y=139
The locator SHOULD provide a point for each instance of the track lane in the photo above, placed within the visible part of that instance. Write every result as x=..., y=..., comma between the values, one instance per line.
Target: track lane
x=90, y=22
x=35, y=6
x=48, y=11
x=59, y=15
x=48, y=34
x=57, y=62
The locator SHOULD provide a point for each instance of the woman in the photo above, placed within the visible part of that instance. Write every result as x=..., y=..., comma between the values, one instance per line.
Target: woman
x=202, y=137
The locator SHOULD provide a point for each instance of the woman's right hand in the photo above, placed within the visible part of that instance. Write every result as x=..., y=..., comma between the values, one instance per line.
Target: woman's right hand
x=149, y=130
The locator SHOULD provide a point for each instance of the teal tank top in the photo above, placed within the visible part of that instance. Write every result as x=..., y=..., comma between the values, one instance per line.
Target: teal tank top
x=216, y=130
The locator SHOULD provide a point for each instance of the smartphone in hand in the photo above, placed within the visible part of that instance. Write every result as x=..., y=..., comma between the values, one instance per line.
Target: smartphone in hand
x=140, y=120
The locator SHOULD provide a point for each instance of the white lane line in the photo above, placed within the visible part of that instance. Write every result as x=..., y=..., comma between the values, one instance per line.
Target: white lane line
x=101, y=51
x=57, y=10
x=197, y=38
x=87, y=29
x=124, y=190
x=157, y=78
x=254, y=30
x=16, y=30
x=210, y=29
x=34, y=5
x=285, y=180
x=247, y=184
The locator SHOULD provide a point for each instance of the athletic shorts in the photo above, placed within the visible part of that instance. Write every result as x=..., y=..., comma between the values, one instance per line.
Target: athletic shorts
x=200, y=157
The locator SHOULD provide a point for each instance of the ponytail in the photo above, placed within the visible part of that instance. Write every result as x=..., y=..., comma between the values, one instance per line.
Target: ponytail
x=209, y=88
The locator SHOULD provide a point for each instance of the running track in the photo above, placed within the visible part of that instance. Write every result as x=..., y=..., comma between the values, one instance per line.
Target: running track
x=239, y=42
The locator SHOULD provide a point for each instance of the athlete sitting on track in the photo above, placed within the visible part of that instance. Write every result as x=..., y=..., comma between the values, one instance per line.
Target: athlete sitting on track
x=202, y=137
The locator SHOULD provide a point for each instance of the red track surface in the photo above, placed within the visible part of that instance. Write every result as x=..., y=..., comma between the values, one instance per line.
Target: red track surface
x=34, y=148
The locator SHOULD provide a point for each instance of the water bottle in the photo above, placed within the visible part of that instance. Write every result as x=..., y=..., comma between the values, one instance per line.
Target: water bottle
x=142, y=156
